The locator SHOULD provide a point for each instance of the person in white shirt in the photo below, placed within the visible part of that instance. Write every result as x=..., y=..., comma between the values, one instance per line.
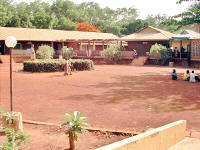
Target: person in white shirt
x=194, y=77
x=67, y=67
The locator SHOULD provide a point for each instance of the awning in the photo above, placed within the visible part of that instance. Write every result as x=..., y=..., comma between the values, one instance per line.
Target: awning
x=180, y=38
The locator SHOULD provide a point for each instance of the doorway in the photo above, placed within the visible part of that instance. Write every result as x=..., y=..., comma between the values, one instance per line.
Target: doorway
x=2, y=47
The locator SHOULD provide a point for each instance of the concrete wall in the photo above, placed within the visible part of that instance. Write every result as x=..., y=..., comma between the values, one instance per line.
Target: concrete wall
x=157, y=139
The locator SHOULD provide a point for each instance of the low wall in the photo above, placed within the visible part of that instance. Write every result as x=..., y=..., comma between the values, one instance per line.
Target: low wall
x=160, y=138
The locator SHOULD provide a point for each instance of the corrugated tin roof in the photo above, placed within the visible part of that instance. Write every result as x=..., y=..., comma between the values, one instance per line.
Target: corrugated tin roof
x=149, y=34
x=28, y=34
x=188, y=34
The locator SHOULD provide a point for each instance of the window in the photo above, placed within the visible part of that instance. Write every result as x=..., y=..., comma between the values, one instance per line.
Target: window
x=18, y=46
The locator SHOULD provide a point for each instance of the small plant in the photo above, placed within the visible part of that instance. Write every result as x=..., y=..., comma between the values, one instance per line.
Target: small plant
x=10, y=117
x=74, y=126
x=113, y=53
x=67, y=52
x=14, y=139
x=45, y=52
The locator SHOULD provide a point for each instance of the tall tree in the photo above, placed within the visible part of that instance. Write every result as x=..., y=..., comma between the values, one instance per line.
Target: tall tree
x=6, y=11
x=84, y=26
x=65, y=8
x=124, y=14
x=192, y=15
x=160, y=21
x=65, y=24
x=22, y=16
x=133, y=26
x=41, y=14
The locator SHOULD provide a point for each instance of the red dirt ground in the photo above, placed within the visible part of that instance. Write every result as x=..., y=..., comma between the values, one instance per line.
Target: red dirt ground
x=52, y=138
x=112, y=96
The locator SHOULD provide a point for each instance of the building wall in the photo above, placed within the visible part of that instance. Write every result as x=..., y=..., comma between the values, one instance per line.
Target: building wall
x=144, y=46
x=195, y=48
x=57, y=45
x=197, y=27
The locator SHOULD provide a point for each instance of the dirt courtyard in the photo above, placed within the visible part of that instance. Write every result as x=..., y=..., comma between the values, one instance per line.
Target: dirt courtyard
x=119, y=97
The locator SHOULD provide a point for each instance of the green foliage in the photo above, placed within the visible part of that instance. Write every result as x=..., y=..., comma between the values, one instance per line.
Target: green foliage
x=159, y=51
x=75, y=124
x=64, y=14
x=10, y=116
x=55, y=65
x=14, y=139
x=45, y=52
x=180, y=1
x=190, y=16
x=1, y=111
x=65, y=24
x=6, y=12
x=67, y=52
x=133, y=26
x=161, y=21
x=113, y=53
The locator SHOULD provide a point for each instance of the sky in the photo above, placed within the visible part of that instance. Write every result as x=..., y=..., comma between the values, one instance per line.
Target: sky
x=145, y=7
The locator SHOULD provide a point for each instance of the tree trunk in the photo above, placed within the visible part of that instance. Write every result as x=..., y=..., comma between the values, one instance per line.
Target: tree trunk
x=71, y=141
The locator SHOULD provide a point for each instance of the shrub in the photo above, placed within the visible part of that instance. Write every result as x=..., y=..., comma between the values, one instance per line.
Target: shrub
x=14, y=139
x=45, y=52
x=67, y=52
x=113, y=53
x=159, y=51
x=55, y=65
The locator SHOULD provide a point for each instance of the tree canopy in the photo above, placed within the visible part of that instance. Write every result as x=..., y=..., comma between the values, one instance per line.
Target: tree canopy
x=66, y=15
x=190, y=16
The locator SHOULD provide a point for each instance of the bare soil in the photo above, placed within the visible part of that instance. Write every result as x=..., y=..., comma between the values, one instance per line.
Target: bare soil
x=53, y=138
x=118, y=97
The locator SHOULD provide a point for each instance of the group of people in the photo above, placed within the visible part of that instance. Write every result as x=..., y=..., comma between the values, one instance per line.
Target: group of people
x=187, y=76
x=175, y=52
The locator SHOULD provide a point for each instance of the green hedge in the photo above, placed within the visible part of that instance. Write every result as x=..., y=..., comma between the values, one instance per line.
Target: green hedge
x=55, y=65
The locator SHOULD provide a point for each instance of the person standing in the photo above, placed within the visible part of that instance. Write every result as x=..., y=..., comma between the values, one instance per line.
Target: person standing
x=32, y=52
x=67, y=67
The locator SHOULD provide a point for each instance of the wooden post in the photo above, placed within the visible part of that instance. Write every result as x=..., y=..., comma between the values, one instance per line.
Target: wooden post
x=81, y=46
x=106, y=44
x=181, y=44
x=94, y=46
x=103, y=45
x=121, y=45
x=51, y=44
x=63, y=44
x=189, y=53
x=89, y=54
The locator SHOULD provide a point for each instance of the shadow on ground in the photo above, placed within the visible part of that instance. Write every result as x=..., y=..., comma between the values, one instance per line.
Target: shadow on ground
x=167, y=95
